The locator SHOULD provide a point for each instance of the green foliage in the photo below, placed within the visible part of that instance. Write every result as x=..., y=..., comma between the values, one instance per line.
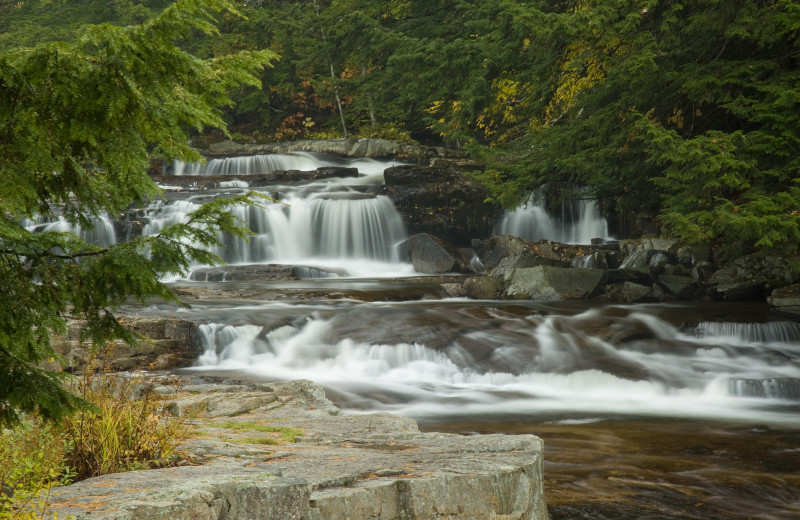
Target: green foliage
x=78, y=123
x=684, y=111
x=122, y=431
x=32, y=459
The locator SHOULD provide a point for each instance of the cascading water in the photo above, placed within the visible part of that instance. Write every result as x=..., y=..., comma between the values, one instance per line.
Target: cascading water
x=582, y=370
x=323, y=223
x=580, y=221
x=532, y=364
x=101, y=233
x=247, y=165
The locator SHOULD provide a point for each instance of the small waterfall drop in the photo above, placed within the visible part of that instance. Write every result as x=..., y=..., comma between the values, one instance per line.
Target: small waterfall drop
x=247, y=165
x=580, y=221
x=102, y=232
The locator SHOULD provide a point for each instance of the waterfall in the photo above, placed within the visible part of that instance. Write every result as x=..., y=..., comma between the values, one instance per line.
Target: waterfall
x=248, y=165
x=580, y=221
x=302, y=229
x=769, y=332
x=101, y=232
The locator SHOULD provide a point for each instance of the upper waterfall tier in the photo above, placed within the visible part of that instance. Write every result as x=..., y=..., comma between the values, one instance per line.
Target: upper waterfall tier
x=268, y=163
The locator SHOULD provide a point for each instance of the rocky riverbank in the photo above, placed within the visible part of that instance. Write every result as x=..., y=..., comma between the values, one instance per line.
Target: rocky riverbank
x=330, y=466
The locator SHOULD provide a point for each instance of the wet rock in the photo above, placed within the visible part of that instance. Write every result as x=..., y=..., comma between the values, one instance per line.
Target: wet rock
x=441, y=200
x=553, y=283
x=681, y=287
x=430, y=254
x=786, y=301
x=628, y=292
x=492, y=251
x=167, y=343
x=350, y=147
x=454, y=290
x=668, y=245
x=484, y=287
x=651, y=261
x=620, y=276
x=259, y=272
x=788, y=296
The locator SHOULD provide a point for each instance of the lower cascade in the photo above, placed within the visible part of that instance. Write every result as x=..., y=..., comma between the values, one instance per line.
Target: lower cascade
x=535, y=364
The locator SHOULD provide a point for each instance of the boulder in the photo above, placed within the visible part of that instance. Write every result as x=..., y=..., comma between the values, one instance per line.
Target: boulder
x=788, y=296
x=441, y=200
x=553, y=283
x=681, y=287
x=492, y=251
x=524, y=260
x=484, y=287
x=628, y=292
x=651, y=261
x=430, y=254
x=786, y=301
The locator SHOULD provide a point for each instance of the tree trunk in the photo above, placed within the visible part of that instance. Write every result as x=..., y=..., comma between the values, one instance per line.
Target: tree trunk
x=370, y=104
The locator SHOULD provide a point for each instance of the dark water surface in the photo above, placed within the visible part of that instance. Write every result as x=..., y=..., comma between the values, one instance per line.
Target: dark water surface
x=661, y=469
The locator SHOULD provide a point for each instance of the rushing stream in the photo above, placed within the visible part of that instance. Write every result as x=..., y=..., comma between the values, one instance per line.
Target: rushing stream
x=647, y=411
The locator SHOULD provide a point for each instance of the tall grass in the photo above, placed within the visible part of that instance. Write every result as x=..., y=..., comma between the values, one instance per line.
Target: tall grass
x=124, y=429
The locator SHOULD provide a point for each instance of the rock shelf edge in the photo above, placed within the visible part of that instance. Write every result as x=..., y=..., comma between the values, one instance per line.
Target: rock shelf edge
x=365, y=466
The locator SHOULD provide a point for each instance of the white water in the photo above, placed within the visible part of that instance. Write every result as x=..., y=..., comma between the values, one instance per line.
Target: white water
x=579, y=223
x=547, y=365
x=268, y=163
x=101, y=233
x=324, y=224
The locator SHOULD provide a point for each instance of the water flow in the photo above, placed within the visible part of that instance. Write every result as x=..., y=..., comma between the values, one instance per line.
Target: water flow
x=521, y=365
x=329, y=223
x=247, y=165
x=268, y=163
x=580, y=221
x=101, y=233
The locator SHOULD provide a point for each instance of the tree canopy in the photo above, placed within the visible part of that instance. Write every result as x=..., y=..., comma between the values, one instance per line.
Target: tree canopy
x=79, y=122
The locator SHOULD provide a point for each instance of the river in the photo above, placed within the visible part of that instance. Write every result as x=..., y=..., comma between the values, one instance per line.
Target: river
x=671, y=410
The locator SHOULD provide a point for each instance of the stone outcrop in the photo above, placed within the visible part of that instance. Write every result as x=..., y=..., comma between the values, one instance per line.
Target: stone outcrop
x=786, y=300
x=255, y=180
x=260, y=272
x=441, y=200
x=351, y=147
x=165, y=343
x=649, y=269
x=553, y=283
x=375, y=466
x=430, y=254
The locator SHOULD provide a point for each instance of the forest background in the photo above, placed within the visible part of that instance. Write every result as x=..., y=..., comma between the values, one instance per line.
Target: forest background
x=684, y=112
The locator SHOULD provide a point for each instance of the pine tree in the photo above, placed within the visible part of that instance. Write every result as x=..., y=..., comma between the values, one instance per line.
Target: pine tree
x=78, y=124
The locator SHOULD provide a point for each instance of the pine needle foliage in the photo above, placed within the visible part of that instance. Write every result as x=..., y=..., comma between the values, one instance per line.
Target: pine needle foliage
x=684, y=111
x=79, y=123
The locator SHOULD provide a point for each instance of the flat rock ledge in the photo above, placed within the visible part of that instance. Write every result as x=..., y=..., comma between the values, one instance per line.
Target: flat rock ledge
x=370, y=466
